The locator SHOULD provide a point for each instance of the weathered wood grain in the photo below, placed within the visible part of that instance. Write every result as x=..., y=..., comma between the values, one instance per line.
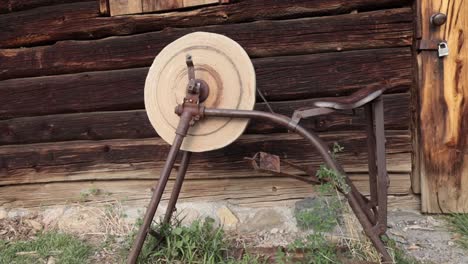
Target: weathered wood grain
x=124, y=7
x=7, y=6
x=135, y=124
x=279, y=78
x=377, y=29
x=151, y=6
x=66, y=160
x=81, y=21
x=443, y=112
x=151, y=169
x=236, y=191
x=267, y=192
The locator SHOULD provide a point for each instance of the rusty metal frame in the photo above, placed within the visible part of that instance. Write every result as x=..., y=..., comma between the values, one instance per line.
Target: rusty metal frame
x=371, y=213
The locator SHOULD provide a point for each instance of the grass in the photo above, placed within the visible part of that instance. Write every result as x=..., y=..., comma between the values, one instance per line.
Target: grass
x=459, y=224
x=399, y=255
x=314, y=248
x=64, y=248
x=201, y=242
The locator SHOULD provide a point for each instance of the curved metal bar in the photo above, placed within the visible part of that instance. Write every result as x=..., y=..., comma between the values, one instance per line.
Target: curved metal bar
x=286, y=122
x=354, y=197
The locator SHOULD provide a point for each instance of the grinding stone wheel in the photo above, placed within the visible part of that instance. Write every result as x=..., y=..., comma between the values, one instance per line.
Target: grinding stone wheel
x=230, y=75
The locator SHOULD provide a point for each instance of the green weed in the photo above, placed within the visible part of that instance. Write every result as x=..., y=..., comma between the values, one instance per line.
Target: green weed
x=459, y=224
x=64, y=248
x=201, y=242
x=321, y=216
x=312, y=249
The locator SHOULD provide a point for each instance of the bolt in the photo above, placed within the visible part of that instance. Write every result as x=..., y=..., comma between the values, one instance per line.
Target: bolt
x=438, y=19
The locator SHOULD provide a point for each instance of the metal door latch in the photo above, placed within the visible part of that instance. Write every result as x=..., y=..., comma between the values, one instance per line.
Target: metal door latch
x=440, y=46
x=443, y=49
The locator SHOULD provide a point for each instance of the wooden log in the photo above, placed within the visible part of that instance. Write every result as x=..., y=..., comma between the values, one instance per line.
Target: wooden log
x=377, y=29
x=81, y=21
x=305, y=76
x=151, y=170
x=135, y=124
x=443, y=112
x=258, y=192
x=66, y=160
x=399, y=163
x=7, y=6
x=237, y=191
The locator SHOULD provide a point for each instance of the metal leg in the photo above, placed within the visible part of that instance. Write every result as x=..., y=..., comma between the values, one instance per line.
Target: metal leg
x=177, y=186
x=158, y=192
x=368, y=229
x=362, y=201
x=382, y=177
x=371, y=149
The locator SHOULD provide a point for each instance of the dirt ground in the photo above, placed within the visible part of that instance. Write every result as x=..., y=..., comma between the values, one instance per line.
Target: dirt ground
x=425, y=237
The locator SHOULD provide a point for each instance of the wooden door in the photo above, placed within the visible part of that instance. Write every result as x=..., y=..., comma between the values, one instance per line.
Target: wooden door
x=124, y=7
x=442, y=151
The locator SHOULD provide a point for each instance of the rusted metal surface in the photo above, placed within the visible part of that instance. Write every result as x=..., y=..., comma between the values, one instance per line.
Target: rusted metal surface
x=190, y=112
x=177, y=186
x=267, y=162
x=371, y=213
x=272, y=164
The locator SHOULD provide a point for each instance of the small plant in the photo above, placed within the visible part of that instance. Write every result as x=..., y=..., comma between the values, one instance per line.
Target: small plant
x=312, y=249
x=321, y=216
x=459, y=224
x=84, y=196
x=63, y=248
x=333, y=179
x=201, y=242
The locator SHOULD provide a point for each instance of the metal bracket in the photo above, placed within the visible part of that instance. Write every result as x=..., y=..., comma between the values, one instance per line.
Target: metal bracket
x=271, y=164
x=309, y=112
x=440, y=46
x=424, y=44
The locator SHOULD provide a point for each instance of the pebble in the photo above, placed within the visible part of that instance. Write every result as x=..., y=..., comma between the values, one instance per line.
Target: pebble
x=3, y=214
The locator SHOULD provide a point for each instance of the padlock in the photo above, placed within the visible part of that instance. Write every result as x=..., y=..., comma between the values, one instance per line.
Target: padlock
x=443, y=49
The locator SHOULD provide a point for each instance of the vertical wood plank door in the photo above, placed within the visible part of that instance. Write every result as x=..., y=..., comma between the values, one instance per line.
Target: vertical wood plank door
x=443, y=112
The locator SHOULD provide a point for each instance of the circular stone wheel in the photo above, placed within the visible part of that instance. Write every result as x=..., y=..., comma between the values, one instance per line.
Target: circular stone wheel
x=224, y=66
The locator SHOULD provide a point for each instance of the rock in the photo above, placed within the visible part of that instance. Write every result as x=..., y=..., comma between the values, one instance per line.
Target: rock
x=18, y=213
x=51, y=260
x=52, y=215
x=188, y=215
x=3, y=214
x=274, y=230
x=34, y=224
x=413, y=247
x=80, y=220
x=265, y=219
x=227, y=217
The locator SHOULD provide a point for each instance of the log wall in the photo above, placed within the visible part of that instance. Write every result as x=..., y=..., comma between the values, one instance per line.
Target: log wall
x=71, y=95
